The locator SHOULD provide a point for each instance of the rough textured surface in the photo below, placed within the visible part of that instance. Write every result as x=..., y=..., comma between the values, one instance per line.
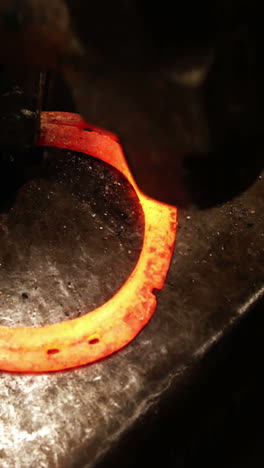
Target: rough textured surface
x=73, y=419
x=68, y=242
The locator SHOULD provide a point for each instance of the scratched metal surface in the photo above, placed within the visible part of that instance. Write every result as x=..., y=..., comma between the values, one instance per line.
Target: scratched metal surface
x=72, y=419
x=68, y=242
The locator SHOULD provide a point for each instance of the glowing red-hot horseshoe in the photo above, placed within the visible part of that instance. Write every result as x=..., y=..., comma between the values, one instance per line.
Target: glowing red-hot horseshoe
x=110, y=327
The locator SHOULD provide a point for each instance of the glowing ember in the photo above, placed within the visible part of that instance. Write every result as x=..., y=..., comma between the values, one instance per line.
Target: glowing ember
x=113, y=325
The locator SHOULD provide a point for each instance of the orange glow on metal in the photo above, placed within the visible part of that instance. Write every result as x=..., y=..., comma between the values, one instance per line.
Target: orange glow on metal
x=110, y=327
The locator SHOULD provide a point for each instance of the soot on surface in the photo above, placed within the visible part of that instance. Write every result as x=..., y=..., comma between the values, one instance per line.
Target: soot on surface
x=69, y=240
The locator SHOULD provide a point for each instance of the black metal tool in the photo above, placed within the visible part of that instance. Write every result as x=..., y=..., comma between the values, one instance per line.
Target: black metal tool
x=21, y=100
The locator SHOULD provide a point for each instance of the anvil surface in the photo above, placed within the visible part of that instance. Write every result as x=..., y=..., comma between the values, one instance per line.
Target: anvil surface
x=110, y=411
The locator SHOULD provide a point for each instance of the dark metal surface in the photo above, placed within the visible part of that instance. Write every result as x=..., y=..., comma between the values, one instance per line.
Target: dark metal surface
x=76, y=418
x=21, y=100
x=20, y=107
x=68, y=241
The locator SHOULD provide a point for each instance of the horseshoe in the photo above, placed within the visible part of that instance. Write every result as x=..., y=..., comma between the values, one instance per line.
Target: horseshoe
x=116, y=323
